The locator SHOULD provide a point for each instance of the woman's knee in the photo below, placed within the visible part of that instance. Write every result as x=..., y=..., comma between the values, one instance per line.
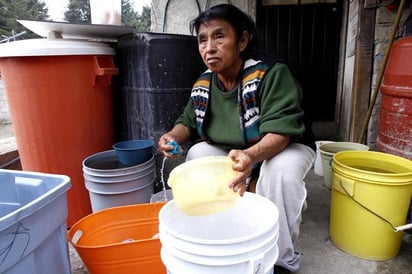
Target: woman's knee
x=204, y=149
x=295, y=160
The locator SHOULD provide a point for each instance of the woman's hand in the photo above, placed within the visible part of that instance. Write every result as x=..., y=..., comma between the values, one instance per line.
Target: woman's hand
x=270, y=145
x=243, y=165
x=166, y=146
x=179, y=134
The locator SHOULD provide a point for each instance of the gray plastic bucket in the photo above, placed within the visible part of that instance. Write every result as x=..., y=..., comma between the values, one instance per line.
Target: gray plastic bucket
x=112, y=184
x=106, y=164
x=103, y=200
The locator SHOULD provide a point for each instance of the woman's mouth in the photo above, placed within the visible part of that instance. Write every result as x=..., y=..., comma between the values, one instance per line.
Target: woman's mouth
x=212, y=60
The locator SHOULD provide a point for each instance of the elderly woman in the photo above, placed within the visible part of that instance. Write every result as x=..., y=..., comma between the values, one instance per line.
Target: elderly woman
x=250, y=111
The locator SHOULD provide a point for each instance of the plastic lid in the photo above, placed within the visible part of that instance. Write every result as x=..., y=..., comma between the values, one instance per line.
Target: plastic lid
x=77, y=31
x=54, y=47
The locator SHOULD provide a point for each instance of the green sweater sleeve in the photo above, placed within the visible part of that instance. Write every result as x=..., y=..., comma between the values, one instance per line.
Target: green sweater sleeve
x=280, y=101
x=188, y=119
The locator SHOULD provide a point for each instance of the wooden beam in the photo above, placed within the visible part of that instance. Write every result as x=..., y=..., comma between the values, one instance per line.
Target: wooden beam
x=362, y=69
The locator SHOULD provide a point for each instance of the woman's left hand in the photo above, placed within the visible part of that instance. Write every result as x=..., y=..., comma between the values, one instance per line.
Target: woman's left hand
x=270, y=145
x=243, y=165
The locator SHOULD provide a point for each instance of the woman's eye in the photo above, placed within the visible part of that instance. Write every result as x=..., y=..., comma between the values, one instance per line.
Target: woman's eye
x=202, y=40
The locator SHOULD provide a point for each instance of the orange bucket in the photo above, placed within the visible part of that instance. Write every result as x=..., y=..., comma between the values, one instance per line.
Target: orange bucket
x=120, y=240
x=60, y=97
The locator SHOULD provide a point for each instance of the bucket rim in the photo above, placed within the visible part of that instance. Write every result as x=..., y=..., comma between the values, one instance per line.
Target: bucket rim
x=121, y=173
x=108, y=211
x=323, y=148
x=112, y=245
x=170, y=260
x=234, y=248
x=40, y=47
x=140, y=176
x=107, y=246
x=220, y=260
x=112, y=153
x=123, y=146
x=120, y=192
x=271, y=205
x=395, y=178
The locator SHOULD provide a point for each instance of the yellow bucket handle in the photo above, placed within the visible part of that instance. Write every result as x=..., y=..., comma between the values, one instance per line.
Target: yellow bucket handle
x=395, y=229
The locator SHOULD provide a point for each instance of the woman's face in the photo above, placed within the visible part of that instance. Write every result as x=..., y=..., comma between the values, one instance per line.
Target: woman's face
x=220, y=48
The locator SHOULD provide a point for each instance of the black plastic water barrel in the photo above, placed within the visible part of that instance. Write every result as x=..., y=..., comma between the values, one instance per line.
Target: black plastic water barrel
x=156, y=74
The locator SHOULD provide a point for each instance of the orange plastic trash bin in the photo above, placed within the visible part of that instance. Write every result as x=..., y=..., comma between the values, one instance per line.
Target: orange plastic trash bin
x=60, y=100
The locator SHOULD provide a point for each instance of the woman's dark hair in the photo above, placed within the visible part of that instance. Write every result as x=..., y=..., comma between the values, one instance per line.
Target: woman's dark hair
x=234, y=16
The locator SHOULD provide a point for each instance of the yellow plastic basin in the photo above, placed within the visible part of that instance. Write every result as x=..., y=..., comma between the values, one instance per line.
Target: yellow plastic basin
x=201, y=186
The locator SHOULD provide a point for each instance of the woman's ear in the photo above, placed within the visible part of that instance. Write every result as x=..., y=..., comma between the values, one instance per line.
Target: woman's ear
x=244, y=41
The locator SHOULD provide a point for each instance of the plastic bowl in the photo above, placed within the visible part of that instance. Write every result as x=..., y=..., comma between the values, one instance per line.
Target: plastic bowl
x=134, y=152
x=201, y=186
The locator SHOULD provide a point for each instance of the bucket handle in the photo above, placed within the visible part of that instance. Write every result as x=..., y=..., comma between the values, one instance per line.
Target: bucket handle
x=104, y=66
x=256, y=264
x=76, y=236
x=394, y=228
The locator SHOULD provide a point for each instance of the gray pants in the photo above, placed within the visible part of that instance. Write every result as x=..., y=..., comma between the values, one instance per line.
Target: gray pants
x=281, y=180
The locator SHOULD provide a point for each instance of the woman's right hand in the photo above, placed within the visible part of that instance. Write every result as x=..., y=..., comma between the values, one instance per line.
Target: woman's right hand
x=166, y=146
x=179, y=134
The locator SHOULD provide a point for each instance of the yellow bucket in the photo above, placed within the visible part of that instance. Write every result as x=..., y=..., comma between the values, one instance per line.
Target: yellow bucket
x=371, y=193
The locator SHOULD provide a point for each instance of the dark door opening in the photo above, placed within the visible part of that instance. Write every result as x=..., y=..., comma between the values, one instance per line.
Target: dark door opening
x=307, y=37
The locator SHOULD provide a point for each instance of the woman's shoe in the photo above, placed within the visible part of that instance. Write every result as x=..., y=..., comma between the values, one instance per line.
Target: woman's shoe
x=280, y=270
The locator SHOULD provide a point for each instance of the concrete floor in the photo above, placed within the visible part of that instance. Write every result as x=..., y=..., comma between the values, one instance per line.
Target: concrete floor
x=320, y=255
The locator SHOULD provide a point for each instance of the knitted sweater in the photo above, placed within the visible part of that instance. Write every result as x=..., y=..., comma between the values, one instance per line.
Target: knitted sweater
x=266, y=100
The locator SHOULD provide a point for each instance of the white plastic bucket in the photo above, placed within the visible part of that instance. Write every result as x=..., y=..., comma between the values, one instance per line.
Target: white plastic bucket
x=317, y=168
x=328, y=150
x=181, y=266
x=242, y=239
x=112, y=184
x=108, y=12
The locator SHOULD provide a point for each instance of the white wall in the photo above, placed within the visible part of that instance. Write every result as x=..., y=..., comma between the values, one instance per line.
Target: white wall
x=175, y=16
x=4, y=108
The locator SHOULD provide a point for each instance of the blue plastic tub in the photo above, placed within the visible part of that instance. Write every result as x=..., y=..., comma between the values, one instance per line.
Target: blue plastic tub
x=134, y=152
x=33, y=231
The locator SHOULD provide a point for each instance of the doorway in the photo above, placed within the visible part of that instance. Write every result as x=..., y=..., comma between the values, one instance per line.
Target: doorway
x=307, y=36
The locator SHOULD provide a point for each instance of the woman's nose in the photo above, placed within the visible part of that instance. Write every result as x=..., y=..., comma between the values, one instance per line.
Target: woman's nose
x=210, y=46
